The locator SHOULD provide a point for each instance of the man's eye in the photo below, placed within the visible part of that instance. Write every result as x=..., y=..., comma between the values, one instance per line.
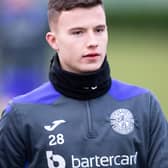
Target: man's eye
x=77, y=32
x=99, y=30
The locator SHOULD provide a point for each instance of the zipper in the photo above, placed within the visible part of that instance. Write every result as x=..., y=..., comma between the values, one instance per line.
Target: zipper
x=91, y=133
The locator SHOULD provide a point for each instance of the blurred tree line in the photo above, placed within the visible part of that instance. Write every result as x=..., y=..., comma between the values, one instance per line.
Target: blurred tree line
x=138, y=12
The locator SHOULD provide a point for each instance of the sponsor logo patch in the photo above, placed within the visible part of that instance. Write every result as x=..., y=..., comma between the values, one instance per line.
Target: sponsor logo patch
x=58, y=161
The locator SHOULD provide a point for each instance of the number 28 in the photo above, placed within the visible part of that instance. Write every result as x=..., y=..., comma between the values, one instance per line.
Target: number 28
x=56, y=139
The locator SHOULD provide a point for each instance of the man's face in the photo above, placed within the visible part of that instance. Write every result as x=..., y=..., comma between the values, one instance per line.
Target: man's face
x=80, y=38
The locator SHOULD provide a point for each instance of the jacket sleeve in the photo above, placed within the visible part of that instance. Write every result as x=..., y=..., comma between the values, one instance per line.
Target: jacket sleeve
x=158, y=146
x=12, y=149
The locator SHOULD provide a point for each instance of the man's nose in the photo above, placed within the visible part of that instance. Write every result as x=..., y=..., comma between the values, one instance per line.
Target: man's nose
x=92, y=41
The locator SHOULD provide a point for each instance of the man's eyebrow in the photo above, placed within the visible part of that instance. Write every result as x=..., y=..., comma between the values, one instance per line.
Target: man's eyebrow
x=83, y=28
x=102, y=25
x=77, y=28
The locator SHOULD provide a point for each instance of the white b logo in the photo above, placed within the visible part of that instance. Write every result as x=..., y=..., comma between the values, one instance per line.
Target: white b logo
x=55, y=161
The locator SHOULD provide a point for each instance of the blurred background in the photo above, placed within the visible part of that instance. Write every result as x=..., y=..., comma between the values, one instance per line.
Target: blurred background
x=137, y=51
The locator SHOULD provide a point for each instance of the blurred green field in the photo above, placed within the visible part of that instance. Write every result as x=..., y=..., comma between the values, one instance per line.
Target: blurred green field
x=140, y=56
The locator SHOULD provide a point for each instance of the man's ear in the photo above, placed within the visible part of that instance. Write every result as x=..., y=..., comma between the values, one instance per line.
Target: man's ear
x=51, y=39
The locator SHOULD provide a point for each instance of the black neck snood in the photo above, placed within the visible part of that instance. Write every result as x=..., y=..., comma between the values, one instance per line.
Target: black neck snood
x=80, y=86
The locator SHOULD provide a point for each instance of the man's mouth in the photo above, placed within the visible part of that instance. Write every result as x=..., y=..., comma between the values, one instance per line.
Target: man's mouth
x=91, y=55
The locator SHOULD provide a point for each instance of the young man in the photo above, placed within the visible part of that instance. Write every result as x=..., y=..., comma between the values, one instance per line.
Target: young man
x=81, y=118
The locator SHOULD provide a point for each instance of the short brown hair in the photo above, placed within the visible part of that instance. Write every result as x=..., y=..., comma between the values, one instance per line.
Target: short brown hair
x=55, y=7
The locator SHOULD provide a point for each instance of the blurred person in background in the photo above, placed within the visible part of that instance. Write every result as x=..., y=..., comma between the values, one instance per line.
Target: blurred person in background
x=23, y=24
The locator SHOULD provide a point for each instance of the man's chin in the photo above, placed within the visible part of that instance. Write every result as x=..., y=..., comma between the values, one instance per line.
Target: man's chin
x=90, y=68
